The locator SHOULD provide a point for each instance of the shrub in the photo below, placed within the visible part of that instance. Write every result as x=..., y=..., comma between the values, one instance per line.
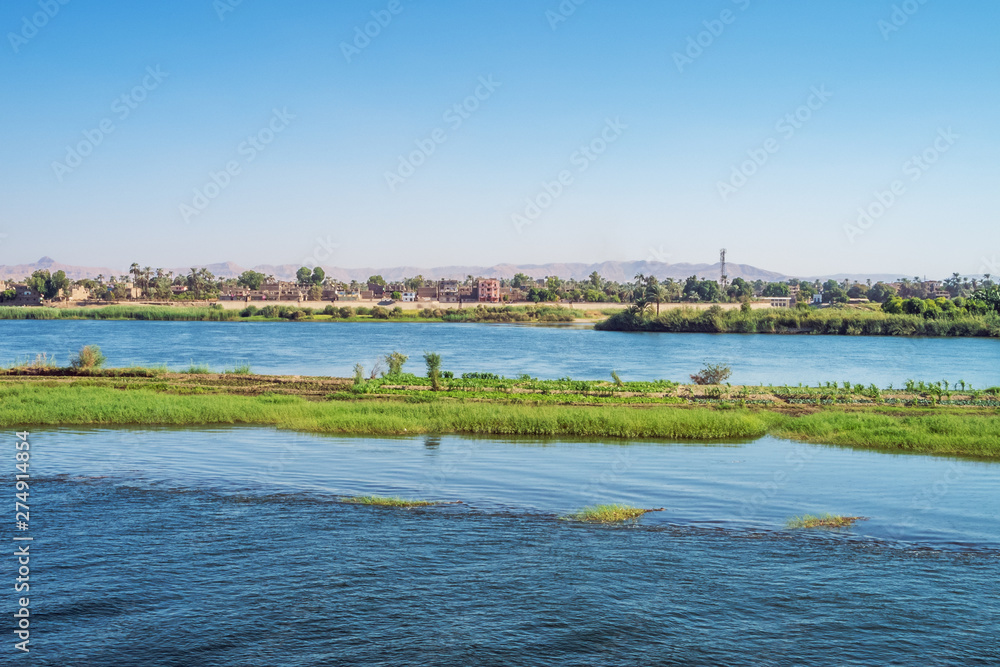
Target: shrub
x=88, y=358
x=433, y=361
x=712, y=374
x=345, y=312
x=395, y=363
x=249, y=311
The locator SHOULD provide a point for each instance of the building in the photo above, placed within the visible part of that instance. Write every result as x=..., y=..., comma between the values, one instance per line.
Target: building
x=447, y=291
x=489, y=290
x=777, y=301
x=427, y=293
x=409, y=297
x=24, y=296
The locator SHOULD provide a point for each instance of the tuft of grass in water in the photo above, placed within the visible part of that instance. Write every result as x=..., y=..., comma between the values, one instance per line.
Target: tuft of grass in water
x=613, y=513
x=825, y=521
x=197, y=369
x=239, y=369
x=388, y=501
x=41, y=361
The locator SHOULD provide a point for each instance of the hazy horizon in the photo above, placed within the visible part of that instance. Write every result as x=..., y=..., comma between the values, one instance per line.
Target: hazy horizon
x=290, y=124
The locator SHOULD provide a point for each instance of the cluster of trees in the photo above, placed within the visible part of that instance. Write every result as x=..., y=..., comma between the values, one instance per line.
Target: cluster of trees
x=980, y=302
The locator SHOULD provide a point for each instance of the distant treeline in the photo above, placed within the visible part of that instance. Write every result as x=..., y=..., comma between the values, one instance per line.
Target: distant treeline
x=831, y=321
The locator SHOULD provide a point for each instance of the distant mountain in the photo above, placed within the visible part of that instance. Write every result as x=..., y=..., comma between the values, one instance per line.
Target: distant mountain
x=617, y=271
x=19, y=271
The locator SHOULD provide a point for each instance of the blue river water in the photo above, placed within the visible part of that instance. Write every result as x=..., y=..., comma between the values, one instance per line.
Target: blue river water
x=317, y=348
x=231, y=546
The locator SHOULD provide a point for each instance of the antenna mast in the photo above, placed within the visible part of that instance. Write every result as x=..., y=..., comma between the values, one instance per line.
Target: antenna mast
x=724, y=279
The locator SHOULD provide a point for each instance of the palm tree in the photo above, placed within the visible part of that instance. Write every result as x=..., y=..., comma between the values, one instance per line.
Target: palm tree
x=657, y=293
x=640, y=307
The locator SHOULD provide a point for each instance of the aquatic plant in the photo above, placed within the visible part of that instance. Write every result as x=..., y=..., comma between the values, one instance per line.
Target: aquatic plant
x=386, y=501
x=613, y=513
x=825, y=521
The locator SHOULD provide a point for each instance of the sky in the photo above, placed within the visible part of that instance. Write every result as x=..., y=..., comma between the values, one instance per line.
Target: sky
x=805, y=137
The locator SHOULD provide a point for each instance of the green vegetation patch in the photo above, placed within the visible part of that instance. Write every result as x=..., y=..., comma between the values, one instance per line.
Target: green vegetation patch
x=613, y=513
x=825, y=521
x=387, y=501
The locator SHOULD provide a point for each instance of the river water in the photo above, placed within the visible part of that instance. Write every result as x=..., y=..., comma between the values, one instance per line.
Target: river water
x=318, y=348
x=230, y=547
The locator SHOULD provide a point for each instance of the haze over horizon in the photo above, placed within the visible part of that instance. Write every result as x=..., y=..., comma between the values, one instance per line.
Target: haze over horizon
x=293, y=119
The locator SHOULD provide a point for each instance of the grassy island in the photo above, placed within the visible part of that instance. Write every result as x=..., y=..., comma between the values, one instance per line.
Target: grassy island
x=844, y=320
x=920, y=418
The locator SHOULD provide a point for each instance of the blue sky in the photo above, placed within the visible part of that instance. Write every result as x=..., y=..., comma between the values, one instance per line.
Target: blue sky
x=249, y=132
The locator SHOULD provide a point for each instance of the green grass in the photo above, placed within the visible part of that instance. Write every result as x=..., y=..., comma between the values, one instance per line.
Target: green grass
x=897, y=429
x=613, y=513
x=316, y=312
x=825, y=521
x=41, y=361
x=386, y=501
x=239, y=369
x=125, y=397
x=121, y=312
x=79, y=404
x=197, y=369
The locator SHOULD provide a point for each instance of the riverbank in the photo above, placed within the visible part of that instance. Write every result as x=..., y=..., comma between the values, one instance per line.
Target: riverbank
x=303, y=313
x=923, y=419
x=830, y=321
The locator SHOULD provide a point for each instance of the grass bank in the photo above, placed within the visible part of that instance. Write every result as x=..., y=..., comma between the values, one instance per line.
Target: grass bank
x=272, y=313
x=913, y=423
x=831, y=321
